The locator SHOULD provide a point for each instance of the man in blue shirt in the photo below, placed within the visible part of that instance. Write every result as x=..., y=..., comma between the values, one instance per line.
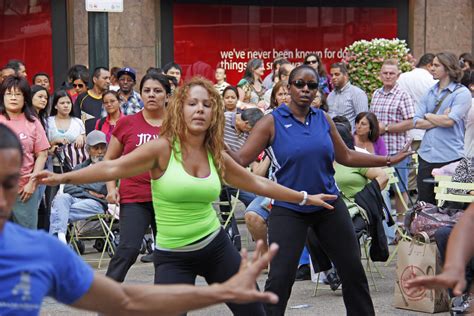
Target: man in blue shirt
x=34, y=265
x=441, y=113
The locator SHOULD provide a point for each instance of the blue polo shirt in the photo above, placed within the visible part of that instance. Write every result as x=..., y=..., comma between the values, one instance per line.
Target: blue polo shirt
x=444, y=144
x=302, y=155
x=34, y=265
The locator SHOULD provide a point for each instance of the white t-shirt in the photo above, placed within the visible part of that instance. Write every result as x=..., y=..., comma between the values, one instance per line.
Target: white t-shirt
x=75, y=129
x=469, y=134
x=416, y=83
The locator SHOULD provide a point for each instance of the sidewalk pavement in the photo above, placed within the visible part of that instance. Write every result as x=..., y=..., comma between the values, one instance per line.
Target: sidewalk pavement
x=302, y=301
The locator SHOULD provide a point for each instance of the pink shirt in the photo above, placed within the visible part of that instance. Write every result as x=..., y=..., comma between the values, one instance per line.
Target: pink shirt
x=33, y=140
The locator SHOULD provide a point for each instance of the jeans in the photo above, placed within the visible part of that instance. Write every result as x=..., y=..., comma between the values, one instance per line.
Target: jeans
x=441, y=238
x=402, y=172
x=260, y=206
x=68, y=209
x=26, y=213
x=217, y=262
x=135, y=218
x=335, y=232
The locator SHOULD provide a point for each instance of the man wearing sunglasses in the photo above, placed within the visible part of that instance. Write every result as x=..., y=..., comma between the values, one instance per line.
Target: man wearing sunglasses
x=345, y=100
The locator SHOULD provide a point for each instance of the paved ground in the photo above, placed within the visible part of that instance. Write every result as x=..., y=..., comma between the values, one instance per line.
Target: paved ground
x=302, y=301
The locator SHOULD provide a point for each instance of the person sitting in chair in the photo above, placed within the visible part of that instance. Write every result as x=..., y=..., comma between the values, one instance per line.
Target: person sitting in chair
x=80, y=201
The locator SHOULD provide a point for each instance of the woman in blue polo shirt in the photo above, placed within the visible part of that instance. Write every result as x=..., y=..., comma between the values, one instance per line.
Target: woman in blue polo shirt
x=303, y=143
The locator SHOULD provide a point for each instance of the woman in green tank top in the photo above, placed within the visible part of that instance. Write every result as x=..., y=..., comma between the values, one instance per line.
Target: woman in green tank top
x=188, y=165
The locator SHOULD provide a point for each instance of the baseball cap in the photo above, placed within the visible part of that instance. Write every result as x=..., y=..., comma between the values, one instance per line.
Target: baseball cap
x=96, y=137
x=127, y=71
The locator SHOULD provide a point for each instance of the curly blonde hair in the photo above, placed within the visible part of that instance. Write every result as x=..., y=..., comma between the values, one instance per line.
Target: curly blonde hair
x=174, y=126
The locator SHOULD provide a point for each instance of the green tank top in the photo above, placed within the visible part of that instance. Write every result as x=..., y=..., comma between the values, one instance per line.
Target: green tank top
x=183, y=204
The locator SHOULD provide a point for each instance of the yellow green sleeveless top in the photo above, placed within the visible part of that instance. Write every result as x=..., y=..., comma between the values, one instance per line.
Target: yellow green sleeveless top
x=183, y=204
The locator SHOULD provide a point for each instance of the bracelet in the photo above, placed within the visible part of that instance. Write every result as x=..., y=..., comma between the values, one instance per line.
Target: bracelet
x=389, y=162
x=305, y=198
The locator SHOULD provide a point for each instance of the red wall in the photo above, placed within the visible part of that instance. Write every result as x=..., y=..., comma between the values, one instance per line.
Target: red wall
x=25, y=34
x=205, y=34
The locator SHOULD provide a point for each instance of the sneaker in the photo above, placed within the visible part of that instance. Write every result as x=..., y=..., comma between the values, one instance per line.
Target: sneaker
x=147, y=258
x=460, y=305
x=333, y=280
x=303, y=273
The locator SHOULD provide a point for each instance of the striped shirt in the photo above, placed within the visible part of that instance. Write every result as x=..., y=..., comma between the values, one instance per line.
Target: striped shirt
x=234, y=139
x=348, y=102
x=390, y=108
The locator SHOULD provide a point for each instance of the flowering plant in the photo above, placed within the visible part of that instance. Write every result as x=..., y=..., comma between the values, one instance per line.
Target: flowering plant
x=365, y=58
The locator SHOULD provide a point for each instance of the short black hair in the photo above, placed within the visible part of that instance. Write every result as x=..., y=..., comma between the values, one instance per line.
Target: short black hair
x=97, y=71
x=346, y=135
x=341, y=66
x=425, y=60
x=10, y=140
x=300, y=68
x=251, y=116
x=339, y=119
x=40, y=74
x=14, y=64
x=233, y=88
x=170, y=65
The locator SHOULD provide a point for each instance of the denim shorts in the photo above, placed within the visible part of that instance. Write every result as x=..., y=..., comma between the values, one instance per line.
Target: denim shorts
x=402, y=171
x=259, y=205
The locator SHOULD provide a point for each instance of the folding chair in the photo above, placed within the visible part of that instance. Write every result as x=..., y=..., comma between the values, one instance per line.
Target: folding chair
x=393, y=179
x=106, y=222
x=227, y=218
x=444, y=183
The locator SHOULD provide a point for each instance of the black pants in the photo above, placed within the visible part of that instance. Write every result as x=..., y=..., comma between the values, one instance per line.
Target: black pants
x=336, y=235
x=441, y=238
x=217, y=262
x=426, y=190
x=135, y=218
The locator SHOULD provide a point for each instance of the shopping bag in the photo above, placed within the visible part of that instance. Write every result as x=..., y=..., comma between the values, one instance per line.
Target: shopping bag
x=418, y=258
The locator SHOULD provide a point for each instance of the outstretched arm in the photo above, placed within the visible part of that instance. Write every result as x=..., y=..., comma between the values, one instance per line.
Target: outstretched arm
x=460, y=250
x=109, y=297
x=352, y=158
x=239, y=177
x=138, y=161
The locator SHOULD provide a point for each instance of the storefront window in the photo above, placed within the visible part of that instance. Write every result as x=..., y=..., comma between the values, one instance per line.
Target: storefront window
x=210, y=36
x=25, y=34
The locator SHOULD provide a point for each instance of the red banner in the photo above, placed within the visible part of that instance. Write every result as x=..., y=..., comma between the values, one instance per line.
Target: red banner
x=210, y=36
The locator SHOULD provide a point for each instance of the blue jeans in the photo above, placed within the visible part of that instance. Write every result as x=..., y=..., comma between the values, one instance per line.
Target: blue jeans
x=67, y=209
x=402, y=172
x=259, y=206
x=26, y=213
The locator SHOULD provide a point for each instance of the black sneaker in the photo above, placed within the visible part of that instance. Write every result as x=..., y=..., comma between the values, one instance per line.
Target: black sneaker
x=303, y=273
x=147, y=258
x=333, y=280
x=460, y=305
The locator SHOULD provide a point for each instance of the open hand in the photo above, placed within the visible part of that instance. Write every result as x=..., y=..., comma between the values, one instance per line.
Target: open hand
x=241, y=288
x=27, y=191
x=402, y=154
x=319, y=200
x=47, y=177
x=448, y=279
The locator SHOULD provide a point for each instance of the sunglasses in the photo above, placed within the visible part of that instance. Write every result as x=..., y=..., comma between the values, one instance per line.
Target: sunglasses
x=78, y=85
x=310, y=62
x=300, y=84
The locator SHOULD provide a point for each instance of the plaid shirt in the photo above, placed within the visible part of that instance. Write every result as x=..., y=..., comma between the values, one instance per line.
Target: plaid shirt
x=133, y=105
x=390, y=108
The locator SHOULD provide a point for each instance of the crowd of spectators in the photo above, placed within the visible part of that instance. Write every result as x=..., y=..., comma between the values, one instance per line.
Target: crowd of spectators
x=97, y=114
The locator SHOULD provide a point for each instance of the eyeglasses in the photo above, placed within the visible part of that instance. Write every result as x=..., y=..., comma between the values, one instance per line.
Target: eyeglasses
x=300, y=84
x=78, y=85
x=310, y=62
x=11, y=95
